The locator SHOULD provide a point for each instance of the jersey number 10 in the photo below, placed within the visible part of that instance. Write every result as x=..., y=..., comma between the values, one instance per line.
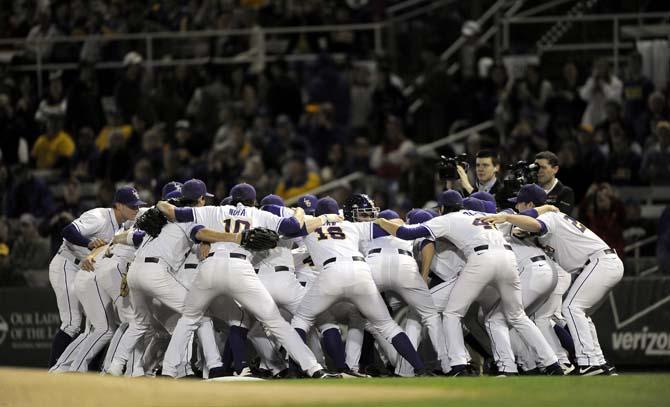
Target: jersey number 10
x=333, y=232
x=239, y=226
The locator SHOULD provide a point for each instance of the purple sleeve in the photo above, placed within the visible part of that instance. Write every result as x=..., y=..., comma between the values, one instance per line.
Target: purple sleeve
x=138, y=236
x=194, y=232
x=289, y=226
x=72, y=235
x=299, y=233
x=377, y=231
x=543, y=227
x=412, y=232
x=425, y=243
x=184, y=214
x=531, y=212
x=273, y=209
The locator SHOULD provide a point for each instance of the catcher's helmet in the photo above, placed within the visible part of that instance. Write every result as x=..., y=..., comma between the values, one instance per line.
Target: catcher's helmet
x=360, y=208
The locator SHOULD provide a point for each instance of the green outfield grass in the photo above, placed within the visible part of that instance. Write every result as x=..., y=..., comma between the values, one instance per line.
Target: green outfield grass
x=26, y=387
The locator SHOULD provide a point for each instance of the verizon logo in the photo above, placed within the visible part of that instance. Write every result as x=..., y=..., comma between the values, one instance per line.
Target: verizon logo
x=652, y=343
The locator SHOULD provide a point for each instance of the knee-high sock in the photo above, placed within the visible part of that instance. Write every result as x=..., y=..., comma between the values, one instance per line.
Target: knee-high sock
x=227, y=356
x=237, y=339
x=566, y=340
x=367, y=350
x=60, y=342
x=334, y=347
x=404, y=347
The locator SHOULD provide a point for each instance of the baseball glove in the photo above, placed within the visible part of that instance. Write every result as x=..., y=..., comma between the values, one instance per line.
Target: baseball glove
x=152, y=222
x=258, y=239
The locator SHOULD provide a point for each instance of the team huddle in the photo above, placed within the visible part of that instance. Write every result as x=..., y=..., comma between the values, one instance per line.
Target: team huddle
x=185, y=298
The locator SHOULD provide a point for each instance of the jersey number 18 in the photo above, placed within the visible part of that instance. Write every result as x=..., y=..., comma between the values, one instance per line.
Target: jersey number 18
x=332, y=232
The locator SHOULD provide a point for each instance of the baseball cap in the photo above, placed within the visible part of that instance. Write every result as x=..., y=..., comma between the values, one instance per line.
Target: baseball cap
x=530, y=193
x=488, y=199
x=389, y=214
x=243, y=192
x=272, y=200
x=173, y=195
x=450, y=198
x=474, y=204
x=308, y=203
x=171, y=187
x=226, y=201
x=128, y=196
x=194, y=189
x=327, y=205
x=416, y=216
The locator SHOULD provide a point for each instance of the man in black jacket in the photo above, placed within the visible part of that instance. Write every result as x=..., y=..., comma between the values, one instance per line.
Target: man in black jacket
x=487, y=166
x=558, y=194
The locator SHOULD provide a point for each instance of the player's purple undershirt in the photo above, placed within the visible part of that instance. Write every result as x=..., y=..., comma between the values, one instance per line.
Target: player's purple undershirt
x=72, y=235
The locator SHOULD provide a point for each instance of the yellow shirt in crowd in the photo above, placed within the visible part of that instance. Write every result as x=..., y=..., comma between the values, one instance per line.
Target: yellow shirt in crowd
x=47, y=151
x=102, y=142
x=313, y=181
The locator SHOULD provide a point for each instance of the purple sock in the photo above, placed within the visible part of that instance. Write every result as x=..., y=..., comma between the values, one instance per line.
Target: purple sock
x=367, y=350
x=402, y=344
x=227, y=356
x=566, y=340
x=60, y=342
x=302, y=334
x=237, y=340
x=334, y=347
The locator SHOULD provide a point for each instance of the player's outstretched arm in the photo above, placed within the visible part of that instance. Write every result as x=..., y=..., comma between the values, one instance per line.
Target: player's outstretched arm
x=212, y=236
x=88, y=264
x=299, y=214
x=314, y=223
x=167, y=209
x=427, y=253
x=524, y=222
x=388, y=226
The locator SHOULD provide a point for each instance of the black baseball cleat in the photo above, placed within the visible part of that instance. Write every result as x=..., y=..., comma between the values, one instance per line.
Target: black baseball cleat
x=287, y=373
x=590, y=371
x=322, y=374
x=220, y=371
x=423, y=372
x=458, y=371
x=531, y=372
x=554, y=369
x=609, y=370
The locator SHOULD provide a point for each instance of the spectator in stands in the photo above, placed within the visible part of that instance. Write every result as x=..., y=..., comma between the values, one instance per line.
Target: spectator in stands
x=6, y=275
x=598, y=89
x=328, y=85
x=389, y=159
x=487, y=166
x=114, y=160
x=492, y=96
x=472, y=51
x=30, y=251
x=45, y=29
x=166, y=102
x=604, y=214
x=624, y=160
x=663, y=242
x=359, y=156
x=84, y=101
x=613, y=114
x=144, y=180
x=591, y=161
x=531, y=93
x=655, y=166
x=636, y=89
x=128, y=94
x=318, y=128
x=647, y=121
x=54, y=102
x=297, y=180
x=566, y=106
x=71, y=209
x=336, y=166
x=387, y=99
x=28, y=194
x=55, y=147
x=560, y=195
x=185, y=150
x=361, y=99
x=255, y=172
x=86, y=158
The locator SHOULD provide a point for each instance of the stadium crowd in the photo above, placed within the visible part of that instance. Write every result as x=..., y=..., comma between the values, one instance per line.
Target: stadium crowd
x=292, y=127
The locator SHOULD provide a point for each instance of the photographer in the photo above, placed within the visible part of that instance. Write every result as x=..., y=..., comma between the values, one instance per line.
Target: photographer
x=563, y=197
x=487, y=165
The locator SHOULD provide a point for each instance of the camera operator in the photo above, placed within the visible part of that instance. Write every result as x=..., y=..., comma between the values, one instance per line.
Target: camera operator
x=487, y=165
x=559, y=195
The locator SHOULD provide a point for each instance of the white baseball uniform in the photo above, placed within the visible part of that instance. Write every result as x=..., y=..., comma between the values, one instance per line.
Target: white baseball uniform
x=578, y=250
x=394, y=269
x=490, y=260
x=227, y=271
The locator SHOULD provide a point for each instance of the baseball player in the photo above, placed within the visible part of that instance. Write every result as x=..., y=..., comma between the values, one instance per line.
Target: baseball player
x=334, y=248
x=490, y=260
x=228, y=271
x=152, y=275
x=93, y=229
x=577, y=250
x=394, y=269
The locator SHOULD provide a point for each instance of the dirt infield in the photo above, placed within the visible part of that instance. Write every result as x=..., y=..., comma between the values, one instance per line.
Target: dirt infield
x=22, y=387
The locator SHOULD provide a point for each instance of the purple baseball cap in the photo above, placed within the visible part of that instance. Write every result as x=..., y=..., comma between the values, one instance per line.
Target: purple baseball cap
x=272, y=200
x=243, y=192
x=173, y=195
x=416, y=216
x=389, y=214
x=327, y=205
x=128, y=196
x=308, y=203
x=171, y=187
x=474, y=204
x=530, y=193
x=488, y=199
x=194, y=189
x=226, y=201
x=450, y=198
